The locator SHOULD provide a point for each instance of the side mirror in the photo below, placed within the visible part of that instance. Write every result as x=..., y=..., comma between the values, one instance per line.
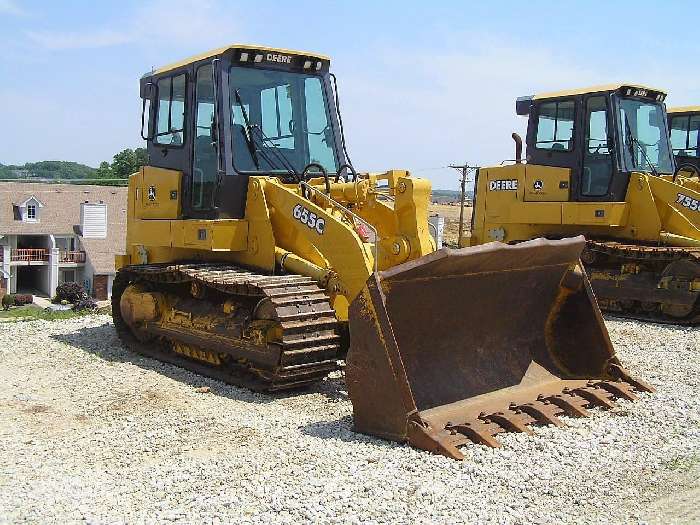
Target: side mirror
x=328, y=136
x=653, y=117
x=147, y=94
x=214, y=133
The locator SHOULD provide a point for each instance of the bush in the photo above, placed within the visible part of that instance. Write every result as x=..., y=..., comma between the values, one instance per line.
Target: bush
x=7, y=301
x=71, y=292
x=84, y=303
x=21, y=299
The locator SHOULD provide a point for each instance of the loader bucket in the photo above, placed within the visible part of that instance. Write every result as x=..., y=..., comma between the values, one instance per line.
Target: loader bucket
x=460, y=345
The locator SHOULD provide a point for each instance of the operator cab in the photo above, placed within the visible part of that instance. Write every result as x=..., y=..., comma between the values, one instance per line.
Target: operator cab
x=239, y=111
x=684, y=123
x=602, y=134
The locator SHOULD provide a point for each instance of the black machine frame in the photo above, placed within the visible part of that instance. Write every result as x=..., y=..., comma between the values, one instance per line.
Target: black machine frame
x=685, y=161
x=232, y=185
x=574, y=157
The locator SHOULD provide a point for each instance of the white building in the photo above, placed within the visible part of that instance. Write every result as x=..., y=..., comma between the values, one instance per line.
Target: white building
x=54, y=233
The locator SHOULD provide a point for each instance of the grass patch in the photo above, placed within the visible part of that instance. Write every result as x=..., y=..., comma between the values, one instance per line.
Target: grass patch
x=32, y=312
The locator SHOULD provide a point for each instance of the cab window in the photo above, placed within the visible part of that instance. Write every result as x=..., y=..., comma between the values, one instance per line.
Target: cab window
x=170, y=119
x=555, y=125
x=205, y=160
x=684, y=135
x=277, y=121
x=319, y=131
x=597, y=162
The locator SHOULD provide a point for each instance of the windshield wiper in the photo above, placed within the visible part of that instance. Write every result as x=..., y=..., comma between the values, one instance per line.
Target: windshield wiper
x=634, y=140
x=281, y=157
x=248, y=135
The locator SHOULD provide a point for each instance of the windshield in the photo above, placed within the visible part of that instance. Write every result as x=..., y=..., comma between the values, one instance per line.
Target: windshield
x=645, y=143
x=280, y=118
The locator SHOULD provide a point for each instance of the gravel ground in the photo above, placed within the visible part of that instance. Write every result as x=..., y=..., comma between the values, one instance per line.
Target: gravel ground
x=89, y=432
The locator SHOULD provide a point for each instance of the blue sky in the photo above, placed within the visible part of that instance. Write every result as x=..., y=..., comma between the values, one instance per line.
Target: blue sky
x=422, y=84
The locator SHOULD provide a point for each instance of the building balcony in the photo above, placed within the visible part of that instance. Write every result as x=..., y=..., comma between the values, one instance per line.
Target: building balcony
x=76, y=257
x=29, y=255
x=41, y=256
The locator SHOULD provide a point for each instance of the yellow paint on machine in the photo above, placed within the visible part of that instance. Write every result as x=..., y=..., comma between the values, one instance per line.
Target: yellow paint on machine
x=157, y=233
x=527, y=201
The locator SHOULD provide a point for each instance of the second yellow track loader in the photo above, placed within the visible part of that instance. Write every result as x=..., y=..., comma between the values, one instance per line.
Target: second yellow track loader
x=256, y=254
x=684, y=125
x=599, y=164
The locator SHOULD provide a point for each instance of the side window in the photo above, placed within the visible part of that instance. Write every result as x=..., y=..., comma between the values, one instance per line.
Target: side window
x=597, y=126
x=276, y=113
x=205, y=163
x=555, y=125
x=170, y=120
x=694, y=136
x=319, y=133
x=597, y=162
x=679, y=134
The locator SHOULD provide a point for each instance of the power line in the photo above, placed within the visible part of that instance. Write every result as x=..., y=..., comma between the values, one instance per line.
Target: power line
x=464, y=170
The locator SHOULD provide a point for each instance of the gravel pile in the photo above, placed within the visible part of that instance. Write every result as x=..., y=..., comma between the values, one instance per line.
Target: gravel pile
x=90, y=432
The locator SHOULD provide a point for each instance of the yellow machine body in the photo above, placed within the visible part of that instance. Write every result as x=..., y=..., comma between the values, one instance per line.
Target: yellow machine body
x=398, y=212
x=592, y=169
x=656, y=209
x=257, y=255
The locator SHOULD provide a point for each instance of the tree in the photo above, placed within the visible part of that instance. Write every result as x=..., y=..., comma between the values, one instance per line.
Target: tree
x=128, y=161
x=123, y=163
x=104, y=171
x=141, y=158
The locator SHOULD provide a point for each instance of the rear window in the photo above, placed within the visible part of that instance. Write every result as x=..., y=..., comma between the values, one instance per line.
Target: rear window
x=170, y=119
x=555, y=125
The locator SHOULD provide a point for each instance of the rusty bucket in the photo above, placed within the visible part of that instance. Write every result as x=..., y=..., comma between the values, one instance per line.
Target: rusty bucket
x=460, y=345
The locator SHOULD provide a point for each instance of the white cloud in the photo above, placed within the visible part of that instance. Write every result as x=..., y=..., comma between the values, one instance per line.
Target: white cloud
x=418, y=109
x=9, y=7
x=79, y=40
x=173, y=24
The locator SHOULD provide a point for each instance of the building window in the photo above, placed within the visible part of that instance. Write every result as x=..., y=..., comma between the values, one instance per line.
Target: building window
x=31, y=212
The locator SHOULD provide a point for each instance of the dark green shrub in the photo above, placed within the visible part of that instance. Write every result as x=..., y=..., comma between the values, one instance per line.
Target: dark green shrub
x=71, y=292
x=7, y=301
x=84, y=303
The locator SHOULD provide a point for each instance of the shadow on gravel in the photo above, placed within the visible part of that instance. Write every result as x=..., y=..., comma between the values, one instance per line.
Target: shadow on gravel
x=341, y=430
x=102, y=341
x=636, y=323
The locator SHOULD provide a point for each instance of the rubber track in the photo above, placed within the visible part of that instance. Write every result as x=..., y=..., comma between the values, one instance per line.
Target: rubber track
x=647, y=254
x=309, y=346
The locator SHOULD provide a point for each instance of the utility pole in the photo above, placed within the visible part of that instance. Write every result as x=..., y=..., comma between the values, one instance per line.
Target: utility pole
x=464, y=169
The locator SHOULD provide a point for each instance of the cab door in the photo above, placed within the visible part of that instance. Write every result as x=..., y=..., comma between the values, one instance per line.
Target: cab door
x=597, y=174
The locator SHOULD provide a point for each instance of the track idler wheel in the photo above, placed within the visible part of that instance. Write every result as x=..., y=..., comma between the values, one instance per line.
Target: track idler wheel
x=139, y=306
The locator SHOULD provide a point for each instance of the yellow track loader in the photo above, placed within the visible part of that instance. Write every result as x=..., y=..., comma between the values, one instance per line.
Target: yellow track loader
x=684, y=123
x=600, y=164
x=256, y=254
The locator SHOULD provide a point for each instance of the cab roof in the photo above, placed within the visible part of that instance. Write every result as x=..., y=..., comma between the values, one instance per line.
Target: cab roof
x=222, y=50
x=594, y=89
x=684, y=109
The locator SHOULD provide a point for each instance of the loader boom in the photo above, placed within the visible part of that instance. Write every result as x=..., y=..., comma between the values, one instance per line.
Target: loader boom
x=600, y=164
x=256, y=254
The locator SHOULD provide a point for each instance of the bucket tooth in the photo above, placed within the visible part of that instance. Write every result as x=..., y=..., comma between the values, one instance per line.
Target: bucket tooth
x=476, y=430
x=511, y=422
x=622, y=374
x=619, y=389
x=422, y=436
x=596, y=396
x=570, y=404
x=417, y=372
x=544, y=413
